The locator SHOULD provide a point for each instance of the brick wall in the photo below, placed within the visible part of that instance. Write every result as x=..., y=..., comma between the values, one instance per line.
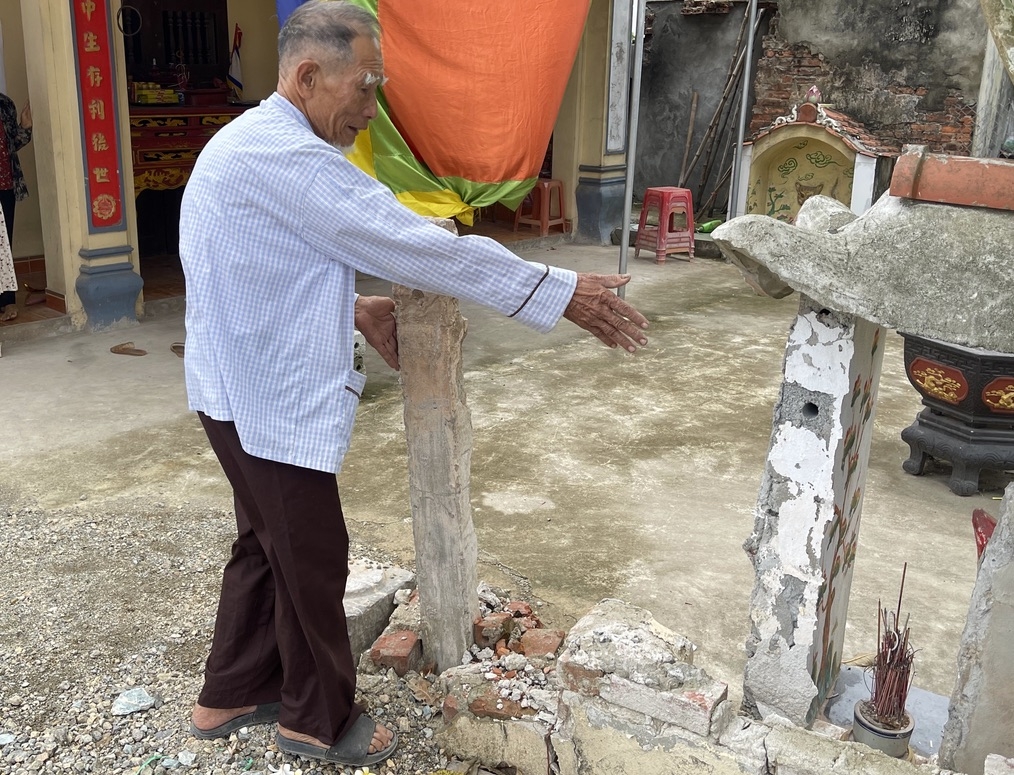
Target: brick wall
x=785, y=72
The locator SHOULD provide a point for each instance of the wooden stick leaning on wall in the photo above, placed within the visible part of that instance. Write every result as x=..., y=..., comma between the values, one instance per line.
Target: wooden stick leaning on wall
x=699, y=215
x=690, y=136
x=730, y=87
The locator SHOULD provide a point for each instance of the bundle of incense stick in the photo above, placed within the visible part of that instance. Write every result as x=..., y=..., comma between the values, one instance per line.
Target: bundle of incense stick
x=892, y=668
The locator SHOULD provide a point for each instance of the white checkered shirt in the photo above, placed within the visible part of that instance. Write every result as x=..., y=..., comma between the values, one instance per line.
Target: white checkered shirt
x=274, y=224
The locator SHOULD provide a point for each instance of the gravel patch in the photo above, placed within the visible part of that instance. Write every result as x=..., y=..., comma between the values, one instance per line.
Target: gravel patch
x=96, y=602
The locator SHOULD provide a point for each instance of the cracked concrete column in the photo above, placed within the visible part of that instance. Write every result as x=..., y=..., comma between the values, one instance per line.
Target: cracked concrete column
x=806, y=530
x=865, y=269
x=923, y=267
x=979, y=717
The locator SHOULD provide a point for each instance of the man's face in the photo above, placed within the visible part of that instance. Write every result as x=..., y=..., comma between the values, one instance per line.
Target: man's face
x=345, y=99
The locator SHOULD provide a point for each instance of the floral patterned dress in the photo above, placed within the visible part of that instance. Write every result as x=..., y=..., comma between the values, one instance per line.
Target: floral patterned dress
x=8, y=282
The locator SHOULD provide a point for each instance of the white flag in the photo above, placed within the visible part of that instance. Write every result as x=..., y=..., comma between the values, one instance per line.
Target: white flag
x=236, y=67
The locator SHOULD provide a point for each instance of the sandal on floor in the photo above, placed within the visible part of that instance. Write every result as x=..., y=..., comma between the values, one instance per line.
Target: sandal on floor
x=351, y=749
x=126, y=348
x=263, y=714
x=178, y=348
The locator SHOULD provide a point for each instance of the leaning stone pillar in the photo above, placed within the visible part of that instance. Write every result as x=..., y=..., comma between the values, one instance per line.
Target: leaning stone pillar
x=982, y=705
x=804, y=542
x=806, y=530
x=438, y=427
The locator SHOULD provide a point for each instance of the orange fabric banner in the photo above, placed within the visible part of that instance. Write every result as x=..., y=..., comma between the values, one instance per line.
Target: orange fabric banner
x=475, y=87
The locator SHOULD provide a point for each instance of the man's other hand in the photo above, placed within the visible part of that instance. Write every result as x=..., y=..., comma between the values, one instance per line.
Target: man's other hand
x=595, y=308
x=375, y=320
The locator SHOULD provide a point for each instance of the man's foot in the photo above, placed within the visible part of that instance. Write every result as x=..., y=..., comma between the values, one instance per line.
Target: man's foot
x=211, y=723
x=382, y=737
x=9, y=312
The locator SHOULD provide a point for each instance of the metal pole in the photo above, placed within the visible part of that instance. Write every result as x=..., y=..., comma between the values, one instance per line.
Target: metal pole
x=743, y=109
x=635, y=104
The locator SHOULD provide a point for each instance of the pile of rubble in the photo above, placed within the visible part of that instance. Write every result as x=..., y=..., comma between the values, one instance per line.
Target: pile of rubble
x=508, y=672
x=693, y=7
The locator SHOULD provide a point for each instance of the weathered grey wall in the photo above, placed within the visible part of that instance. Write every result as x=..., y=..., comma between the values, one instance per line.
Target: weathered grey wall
x=874, y=44
x=687, y=53
x=898, y=65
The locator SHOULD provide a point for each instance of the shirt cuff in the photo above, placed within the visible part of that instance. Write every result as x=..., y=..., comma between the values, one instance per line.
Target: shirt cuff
x=545, y=305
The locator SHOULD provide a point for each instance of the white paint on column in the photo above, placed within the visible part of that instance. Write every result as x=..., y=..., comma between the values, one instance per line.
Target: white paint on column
x=822, y=365
x=800, y=533
x=799, y=455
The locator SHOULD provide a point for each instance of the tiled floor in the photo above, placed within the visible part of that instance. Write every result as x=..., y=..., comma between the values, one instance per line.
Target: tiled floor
x=163, y=275
x=31, y=299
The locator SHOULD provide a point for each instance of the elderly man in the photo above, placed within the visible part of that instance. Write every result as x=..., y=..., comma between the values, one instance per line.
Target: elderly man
x=274, y=225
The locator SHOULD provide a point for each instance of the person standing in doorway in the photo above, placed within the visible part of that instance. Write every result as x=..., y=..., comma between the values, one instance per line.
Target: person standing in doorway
x=16, y=135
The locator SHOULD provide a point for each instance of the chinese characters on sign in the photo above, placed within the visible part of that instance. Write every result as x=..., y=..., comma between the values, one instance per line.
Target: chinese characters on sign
x=98, y=100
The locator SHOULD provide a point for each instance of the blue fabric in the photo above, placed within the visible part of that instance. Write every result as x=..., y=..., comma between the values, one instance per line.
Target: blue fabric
x=274, y=225
x=284, y=8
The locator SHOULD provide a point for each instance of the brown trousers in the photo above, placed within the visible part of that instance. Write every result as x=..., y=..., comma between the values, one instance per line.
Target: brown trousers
x=281, y=633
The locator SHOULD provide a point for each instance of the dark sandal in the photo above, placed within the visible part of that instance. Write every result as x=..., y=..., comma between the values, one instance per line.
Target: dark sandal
x=264, y=714
x=352, y=749
x=126, y=348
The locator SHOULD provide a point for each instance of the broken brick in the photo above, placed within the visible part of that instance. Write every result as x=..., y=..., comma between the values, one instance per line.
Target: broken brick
x=580, y=679
x=518, y=608
x=451, y=707
x=541, y=642
x=529, y=623
x=492, y=706
x=400, y=651
x=490, y=629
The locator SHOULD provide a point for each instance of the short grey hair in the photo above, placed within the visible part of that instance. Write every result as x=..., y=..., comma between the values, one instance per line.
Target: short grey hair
x=325, y=28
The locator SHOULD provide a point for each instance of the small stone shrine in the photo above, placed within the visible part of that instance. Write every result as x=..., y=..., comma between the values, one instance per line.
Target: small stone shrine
x=813, y=150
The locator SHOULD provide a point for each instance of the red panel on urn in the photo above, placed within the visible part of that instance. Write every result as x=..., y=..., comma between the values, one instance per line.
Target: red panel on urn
x=938, y=381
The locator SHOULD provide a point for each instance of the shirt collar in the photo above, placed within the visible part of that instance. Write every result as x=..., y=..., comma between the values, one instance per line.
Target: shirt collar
x=277, y=102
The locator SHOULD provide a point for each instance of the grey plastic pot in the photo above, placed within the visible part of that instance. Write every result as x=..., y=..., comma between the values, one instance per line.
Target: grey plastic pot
x=893, y=742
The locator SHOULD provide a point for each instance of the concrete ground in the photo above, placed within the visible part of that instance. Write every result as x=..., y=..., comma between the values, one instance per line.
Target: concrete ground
x=594, y=473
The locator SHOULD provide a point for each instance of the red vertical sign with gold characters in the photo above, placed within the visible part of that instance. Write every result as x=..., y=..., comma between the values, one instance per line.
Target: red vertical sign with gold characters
x=97, y=82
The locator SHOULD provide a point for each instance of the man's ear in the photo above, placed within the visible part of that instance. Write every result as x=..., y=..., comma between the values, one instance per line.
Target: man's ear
x=307, y=73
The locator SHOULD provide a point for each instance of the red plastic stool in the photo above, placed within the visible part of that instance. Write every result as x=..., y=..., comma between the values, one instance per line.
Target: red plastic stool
x=541, y=211
x=668, y=237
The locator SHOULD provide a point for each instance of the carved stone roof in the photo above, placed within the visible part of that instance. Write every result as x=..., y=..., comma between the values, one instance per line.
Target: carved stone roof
x=852, y=132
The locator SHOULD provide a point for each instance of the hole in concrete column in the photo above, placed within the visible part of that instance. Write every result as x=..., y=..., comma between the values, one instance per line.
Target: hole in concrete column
x=810, y=410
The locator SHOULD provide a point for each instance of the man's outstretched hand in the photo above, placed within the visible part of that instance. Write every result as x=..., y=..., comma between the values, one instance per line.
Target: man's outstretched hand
x=376, y=322
x=595, y=308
